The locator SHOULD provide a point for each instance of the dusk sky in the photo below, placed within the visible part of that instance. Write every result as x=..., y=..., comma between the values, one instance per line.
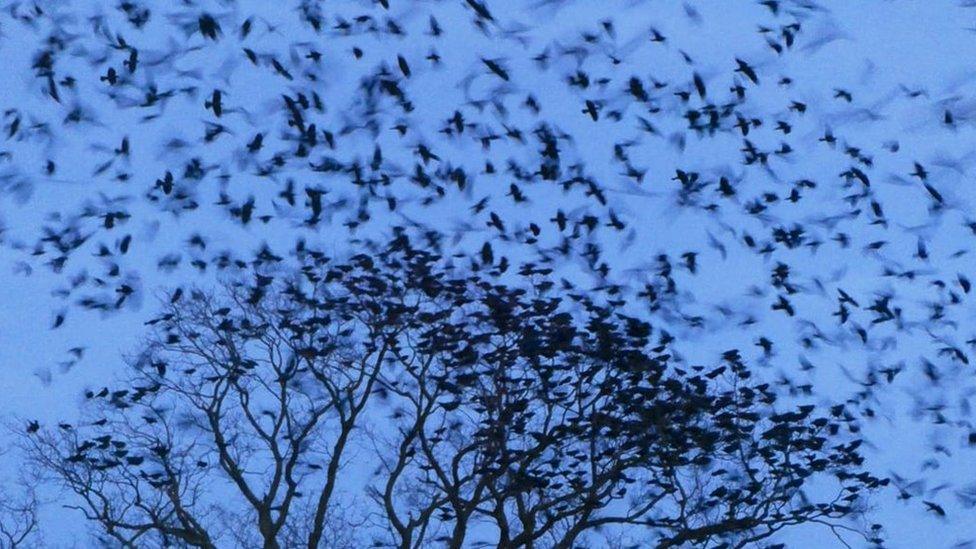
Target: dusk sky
x=893, y=81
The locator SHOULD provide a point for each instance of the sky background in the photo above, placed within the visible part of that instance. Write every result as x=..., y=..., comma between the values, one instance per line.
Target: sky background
x=879, y=51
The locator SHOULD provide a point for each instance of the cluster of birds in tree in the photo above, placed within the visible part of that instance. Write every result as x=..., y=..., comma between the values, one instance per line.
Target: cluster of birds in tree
x=515, y=417
x=736, y=199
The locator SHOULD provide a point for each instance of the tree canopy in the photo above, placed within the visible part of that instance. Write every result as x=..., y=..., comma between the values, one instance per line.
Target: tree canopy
x=475, y=409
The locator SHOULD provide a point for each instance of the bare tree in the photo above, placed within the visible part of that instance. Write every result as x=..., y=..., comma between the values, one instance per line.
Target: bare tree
x=507, y=413
x=535, y=420
x=19, y=503
x=240, y=407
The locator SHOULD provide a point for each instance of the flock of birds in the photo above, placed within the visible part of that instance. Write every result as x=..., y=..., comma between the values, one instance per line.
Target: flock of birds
x=737, y=195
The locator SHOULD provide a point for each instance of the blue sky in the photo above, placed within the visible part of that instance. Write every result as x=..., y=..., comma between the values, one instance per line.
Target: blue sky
x=878, y=51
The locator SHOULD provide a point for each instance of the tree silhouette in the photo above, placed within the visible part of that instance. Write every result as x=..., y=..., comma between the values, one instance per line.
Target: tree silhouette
x=473, y=406
x=19, y=504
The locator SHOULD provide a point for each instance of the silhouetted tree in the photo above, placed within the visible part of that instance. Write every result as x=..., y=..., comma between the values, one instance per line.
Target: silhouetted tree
x=488, y=405
x=19, y=503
